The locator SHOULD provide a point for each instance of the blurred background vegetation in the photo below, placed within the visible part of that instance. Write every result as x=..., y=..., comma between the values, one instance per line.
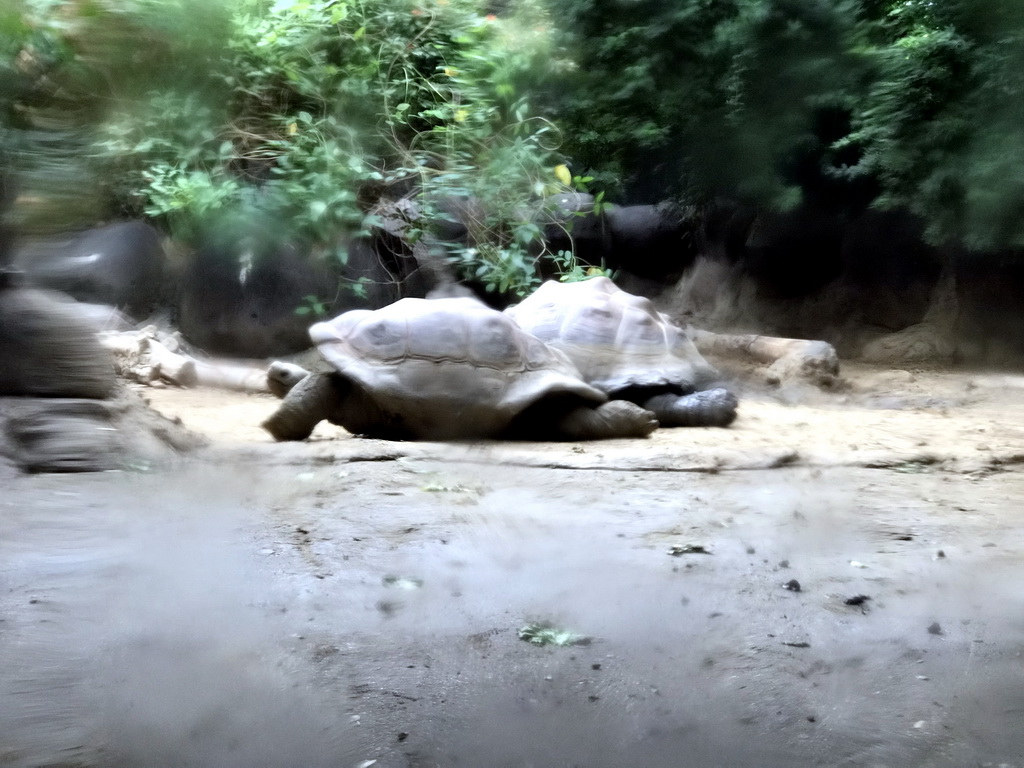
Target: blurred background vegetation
x=288, y=120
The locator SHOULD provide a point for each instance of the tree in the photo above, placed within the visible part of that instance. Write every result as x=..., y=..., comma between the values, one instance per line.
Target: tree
x=283, y=121
x=942, y=123
x=705, y=97
x=912, y=105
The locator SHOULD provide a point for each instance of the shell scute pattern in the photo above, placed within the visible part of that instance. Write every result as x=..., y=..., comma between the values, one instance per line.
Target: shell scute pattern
x=616, y=339
x=453, y=360
x=381, y=338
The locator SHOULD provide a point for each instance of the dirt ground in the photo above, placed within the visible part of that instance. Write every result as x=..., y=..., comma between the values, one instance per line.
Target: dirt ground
x=348, y=602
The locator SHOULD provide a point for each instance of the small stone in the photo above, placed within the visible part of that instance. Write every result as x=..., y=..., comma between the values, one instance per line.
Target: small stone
x=792, y=585
x=688, y=549
x=934, y=628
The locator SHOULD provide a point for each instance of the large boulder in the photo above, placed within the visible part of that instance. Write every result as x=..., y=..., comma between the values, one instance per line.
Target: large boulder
x=990, y=321
x=61, y=409
x=655, y=242
x=49, y=349
x=794, y=254
x=570, y=224
x=890, y=267
x=264, y=309
x=57, y=434
x=120, y=264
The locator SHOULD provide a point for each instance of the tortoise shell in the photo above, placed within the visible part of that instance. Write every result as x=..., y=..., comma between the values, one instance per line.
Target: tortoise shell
x=616, y=339
x=447, y=366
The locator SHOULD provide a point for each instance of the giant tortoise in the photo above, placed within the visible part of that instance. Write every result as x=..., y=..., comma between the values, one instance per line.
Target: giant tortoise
x=626, y=348
x=443, y=369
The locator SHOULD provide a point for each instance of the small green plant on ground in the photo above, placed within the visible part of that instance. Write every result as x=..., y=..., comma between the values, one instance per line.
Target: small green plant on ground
x=545, y=633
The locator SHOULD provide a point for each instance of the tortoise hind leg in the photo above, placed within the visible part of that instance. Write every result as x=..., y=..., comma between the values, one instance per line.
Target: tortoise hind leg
x=618, y=418
x=314, y=398
x=710, y=408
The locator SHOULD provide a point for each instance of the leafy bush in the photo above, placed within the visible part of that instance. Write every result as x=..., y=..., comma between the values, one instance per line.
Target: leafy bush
x=943, y=120
x=271, y=121
x=701, y=97
x=903, y=104
x=287, y=120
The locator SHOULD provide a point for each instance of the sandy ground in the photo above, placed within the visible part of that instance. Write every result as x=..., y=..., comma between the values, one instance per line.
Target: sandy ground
x=346, y=602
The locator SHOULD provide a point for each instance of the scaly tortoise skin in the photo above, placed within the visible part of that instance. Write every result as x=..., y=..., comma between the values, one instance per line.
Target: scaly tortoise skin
x=444, y=369
x=626, y=348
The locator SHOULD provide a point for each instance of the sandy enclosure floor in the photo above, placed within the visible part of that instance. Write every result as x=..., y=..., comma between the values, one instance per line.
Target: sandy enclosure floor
x=857, y=601
x=967, y=421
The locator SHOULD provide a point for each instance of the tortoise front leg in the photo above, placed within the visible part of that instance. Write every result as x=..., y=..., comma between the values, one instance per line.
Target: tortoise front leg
x=710, y=408
x=314, y=398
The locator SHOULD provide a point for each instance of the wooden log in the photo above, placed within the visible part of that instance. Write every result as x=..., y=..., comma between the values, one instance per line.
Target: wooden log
x=763, y=349
x=142, y=357
x=231, y=376
x=170, y=366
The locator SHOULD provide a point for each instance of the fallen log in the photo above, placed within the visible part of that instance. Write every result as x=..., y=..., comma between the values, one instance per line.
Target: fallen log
x=170, y=366
x=149, y=357
x=785, y=358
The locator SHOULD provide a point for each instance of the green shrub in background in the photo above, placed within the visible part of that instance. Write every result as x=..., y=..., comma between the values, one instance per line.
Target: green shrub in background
x=703, y=98
x=838, y=104
x=284, y=121
x=942, y=121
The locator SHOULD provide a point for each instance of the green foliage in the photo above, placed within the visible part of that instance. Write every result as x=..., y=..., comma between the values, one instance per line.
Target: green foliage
x=287, y=120
x=480, y=143
x=572, y=271
x=545, y=633
x=943, y=121
x=312, y=306
x=280, y=121
x=701, y=97
x=905, y=104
